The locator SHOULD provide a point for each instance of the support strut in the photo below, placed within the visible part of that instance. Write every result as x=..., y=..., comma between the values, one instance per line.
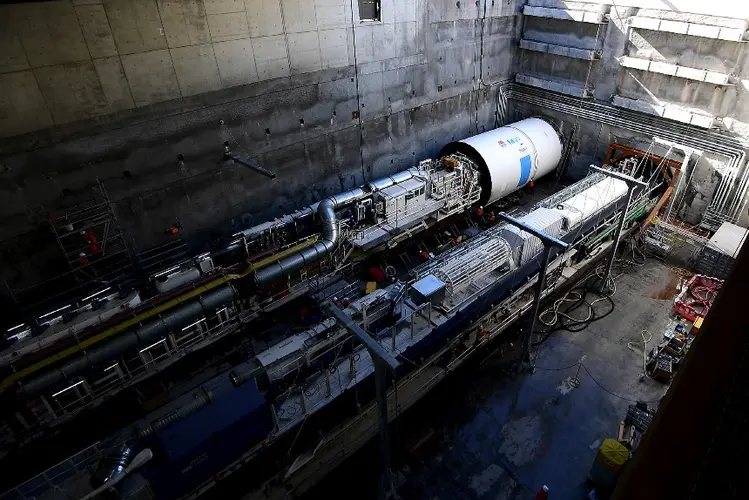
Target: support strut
x=549, y=242
x=383, y=360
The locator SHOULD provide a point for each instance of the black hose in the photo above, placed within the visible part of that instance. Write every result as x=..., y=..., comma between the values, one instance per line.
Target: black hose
x=590, y=285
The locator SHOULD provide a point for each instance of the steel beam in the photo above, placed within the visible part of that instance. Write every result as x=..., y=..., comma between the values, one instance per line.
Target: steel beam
x=549, y=242
x=382, y=360
x=374, y=347
x=250, y=164
x=632, y=184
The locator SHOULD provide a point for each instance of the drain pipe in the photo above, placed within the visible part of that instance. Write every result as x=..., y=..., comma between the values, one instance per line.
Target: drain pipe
x=612, y=116
x=329, y=227
x=738, y=202
x=630, y=120
x=616, y=117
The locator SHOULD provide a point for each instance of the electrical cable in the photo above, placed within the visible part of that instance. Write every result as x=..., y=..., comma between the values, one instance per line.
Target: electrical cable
x=358, y=93
x=556, y=318
x=600, y=386
x=560, y=369
x=564, y=320
x=613, y=393
x=646, y=338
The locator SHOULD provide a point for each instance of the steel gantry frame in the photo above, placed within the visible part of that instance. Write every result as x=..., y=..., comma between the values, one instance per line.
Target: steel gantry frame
x=548, y=242
x=383, y=360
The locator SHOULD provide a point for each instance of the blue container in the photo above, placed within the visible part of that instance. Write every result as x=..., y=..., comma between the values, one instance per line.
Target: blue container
x=192, y=450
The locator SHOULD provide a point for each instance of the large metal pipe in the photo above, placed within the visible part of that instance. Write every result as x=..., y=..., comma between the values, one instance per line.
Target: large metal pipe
x=314, y=253
x=510, y=157
x=329, y=228
x=130, y=341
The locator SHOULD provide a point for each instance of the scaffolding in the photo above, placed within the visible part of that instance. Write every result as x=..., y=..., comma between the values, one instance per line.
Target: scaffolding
x=91, y=245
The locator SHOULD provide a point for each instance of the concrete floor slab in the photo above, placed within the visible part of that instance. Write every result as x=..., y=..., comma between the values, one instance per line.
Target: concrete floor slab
x=484, y=434
x=539, y=429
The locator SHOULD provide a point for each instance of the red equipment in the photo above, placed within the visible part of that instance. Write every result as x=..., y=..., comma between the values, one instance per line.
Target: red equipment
x=697, y=297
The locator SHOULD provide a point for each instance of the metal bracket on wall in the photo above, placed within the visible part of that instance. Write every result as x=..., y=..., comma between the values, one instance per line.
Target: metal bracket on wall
x=247, y=162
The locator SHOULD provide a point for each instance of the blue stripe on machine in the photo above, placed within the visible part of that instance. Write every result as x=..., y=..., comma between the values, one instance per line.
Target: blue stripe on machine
x=525, y=169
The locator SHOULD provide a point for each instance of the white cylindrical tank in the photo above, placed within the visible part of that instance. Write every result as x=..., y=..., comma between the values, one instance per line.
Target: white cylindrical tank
x=511, y=156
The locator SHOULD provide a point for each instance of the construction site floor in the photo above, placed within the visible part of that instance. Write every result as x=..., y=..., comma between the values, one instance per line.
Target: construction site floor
x=487, y=434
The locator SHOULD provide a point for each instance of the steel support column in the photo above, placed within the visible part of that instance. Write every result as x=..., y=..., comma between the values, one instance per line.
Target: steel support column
x=549, y=242
x=383, y=360
x=632, y=183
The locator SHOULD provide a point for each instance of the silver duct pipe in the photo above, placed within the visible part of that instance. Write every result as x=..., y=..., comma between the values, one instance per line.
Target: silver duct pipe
x=329, y=228
x=610, y=115
x=310, y=255
x=386, y=182
x=286, y=220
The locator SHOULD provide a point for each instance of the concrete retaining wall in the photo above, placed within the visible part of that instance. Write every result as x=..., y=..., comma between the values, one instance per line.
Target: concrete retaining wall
x=701, y=101
x=115, y=90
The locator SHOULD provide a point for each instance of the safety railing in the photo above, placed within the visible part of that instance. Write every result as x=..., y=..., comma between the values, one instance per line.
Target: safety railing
x=150, y=359
x=55, y=477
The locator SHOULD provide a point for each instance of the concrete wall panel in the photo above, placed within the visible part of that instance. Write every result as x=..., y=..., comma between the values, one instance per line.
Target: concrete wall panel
x=264, y=17
x=114, y=83
x=228, y=26
x=364, y=44
x=12, y=57
x=372, y=97
x=299, y=15
x=271, y=57
x=22, y=106
x=304, y=52
x=136, y=25
x=151, y=77
x=452, y=10
x=558, y=32
x=405, y=11
x=334, y=48
x=332, y=14
x=72, y=91
x=196, y=69
x=49, y=33
x=407, y=39
x=236, y=62
x=223, y=6
x=95, y=26
x=383, y=40
x=185, y=22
